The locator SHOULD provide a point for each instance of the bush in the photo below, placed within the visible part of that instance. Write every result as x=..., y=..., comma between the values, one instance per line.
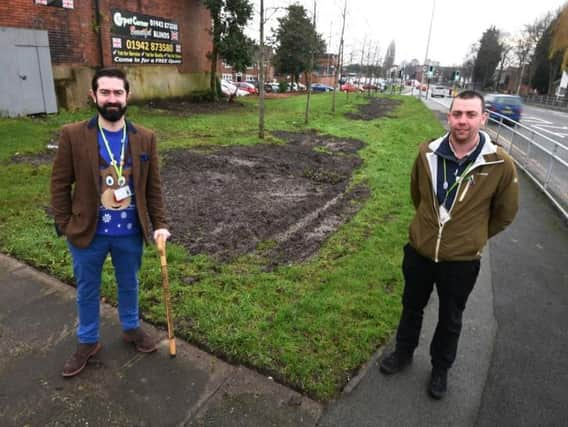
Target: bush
x=283, y=87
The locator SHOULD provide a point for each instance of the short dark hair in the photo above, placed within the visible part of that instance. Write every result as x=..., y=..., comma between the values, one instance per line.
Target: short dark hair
x=109, y=72
x=470, y=94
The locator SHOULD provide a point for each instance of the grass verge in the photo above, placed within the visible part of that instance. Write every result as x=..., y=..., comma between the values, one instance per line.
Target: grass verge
x=309, y=325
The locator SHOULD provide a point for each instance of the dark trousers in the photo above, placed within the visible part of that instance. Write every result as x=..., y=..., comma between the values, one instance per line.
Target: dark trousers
x=454, y=282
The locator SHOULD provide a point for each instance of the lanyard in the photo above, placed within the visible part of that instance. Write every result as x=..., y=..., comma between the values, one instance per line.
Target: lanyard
x=111, y=156
x=456, y=182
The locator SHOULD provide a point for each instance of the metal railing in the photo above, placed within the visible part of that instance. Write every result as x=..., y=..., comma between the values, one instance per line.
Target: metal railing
x=555, y=102
x=543, y=159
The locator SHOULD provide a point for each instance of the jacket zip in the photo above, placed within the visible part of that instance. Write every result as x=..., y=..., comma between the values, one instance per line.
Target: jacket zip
x=439, y=240
x=441, y=226
x=465, y=190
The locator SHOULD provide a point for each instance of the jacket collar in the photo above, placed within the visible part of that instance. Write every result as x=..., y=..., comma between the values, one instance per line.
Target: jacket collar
x=92, y=123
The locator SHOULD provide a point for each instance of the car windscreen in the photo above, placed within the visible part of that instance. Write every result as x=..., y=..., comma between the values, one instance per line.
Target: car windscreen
x=508, y=100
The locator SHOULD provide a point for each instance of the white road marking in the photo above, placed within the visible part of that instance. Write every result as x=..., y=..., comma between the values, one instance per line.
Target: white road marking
x=560, y=135
x=533, y=119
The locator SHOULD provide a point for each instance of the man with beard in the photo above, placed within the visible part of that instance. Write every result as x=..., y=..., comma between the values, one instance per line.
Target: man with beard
x=105, y=193
x=465, y=190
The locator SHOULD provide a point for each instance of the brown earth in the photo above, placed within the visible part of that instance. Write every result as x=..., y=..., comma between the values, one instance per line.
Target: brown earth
x=282, y=200
x=377, y=107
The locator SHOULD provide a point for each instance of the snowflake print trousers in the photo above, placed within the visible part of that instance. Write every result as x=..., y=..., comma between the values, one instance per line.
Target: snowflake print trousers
x=126, y=255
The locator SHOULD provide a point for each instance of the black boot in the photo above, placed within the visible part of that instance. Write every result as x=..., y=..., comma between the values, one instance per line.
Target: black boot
x=438, y=383
x=395, y=362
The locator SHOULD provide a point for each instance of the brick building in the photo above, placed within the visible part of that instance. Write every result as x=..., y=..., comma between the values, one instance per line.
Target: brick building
x=161, y=44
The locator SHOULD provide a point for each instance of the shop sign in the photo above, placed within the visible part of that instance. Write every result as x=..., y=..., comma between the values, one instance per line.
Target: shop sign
x=143, y=39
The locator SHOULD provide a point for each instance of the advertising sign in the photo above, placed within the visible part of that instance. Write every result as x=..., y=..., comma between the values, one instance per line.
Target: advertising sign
x=142, y=39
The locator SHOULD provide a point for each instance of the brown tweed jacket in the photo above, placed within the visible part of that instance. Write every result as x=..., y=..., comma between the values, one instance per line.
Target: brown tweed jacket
x=75, y=181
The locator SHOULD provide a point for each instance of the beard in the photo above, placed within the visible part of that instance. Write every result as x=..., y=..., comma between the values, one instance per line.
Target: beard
x=112, y=111
x=461, y=135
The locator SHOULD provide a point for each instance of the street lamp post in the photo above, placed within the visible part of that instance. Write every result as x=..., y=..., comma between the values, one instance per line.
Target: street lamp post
x=425, y=66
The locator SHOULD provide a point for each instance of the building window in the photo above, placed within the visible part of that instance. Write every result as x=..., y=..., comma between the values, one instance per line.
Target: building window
x=250, y=78
x=66, y=4
x=228, y=77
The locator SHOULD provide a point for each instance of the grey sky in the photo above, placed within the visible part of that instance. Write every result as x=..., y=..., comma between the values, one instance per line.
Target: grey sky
x=456, y=25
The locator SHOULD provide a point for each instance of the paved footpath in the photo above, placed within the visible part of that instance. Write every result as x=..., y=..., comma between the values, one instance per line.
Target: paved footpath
x=120, y=387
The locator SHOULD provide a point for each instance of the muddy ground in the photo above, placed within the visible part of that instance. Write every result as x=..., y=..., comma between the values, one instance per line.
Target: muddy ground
x=377, y=107
x=281, y=201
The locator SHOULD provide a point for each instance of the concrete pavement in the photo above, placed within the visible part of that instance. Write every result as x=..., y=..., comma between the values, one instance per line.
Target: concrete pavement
x=120, y=387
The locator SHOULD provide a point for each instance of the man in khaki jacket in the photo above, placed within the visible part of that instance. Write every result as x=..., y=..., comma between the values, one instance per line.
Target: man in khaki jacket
x=105, y=192
x=465, y=190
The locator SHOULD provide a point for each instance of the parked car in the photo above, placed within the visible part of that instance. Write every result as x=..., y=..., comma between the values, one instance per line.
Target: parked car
x=320, y=87
x=510, y=106
x=350, y=87
x=272, y=87
x=370, y=86
x=229, y=89
x=246, y=86
x=297, y=87
x=441, y=91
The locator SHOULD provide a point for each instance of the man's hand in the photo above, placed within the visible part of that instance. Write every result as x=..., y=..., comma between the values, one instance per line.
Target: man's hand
x=161, y=233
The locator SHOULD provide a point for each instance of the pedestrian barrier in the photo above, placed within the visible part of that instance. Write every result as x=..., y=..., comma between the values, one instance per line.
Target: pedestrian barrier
x=543, y=159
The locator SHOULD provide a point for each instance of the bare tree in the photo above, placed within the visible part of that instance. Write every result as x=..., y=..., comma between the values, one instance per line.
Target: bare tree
x=389, y=57
x=310, y=71
x=507, y=48
x=525, y=47
x=339, y=57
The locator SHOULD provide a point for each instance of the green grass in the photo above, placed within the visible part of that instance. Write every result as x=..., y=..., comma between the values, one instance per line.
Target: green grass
x=309, y=325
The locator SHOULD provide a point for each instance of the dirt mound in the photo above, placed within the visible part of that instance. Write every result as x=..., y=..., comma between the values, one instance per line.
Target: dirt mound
x=280, y=200
x=377, y=107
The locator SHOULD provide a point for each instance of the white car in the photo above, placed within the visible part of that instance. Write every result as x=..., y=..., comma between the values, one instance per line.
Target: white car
x=228, y=89
x=441, y=91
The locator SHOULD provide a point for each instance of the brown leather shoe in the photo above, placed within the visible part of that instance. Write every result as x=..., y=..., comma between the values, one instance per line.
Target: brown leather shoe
x=143, y=342
x=77, y=362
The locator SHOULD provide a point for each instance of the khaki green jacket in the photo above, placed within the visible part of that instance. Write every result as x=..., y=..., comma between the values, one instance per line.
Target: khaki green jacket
x=75, y=181
x=486, y=201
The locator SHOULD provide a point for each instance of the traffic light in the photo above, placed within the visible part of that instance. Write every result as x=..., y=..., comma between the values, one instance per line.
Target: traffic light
x=457, y=76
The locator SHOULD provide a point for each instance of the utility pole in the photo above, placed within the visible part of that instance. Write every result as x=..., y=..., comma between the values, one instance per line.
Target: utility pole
x=339, y=58
x=261, y=76
x=425, y=66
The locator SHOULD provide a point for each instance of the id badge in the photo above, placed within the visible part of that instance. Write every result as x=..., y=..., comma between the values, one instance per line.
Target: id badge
x=122, y=193
x=444, y=215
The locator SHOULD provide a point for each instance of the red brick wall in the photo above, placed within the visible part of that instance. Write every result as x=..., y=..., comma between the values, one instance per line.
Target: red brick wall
x=71, y=36
x=74, y=41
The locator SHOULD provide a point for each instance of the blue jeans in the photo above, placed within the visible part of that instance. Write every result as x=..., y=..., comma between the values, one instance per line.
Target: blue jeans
x=126, y=254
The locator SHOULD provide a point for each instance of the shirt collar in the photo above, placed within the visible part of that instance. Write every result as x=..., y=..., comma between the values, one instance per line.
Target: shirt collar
x=129, y=125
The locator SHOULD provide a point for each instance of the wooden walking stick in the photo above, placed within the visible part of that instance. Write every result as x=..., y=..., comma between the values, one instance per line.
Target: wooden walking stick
x=161, y=242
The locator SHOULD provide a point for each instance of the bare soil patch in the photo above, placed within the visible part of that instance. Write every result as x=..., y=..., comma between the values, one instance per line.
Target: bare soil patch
x=189, y=108
x=282, y=201
x=376, y=108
